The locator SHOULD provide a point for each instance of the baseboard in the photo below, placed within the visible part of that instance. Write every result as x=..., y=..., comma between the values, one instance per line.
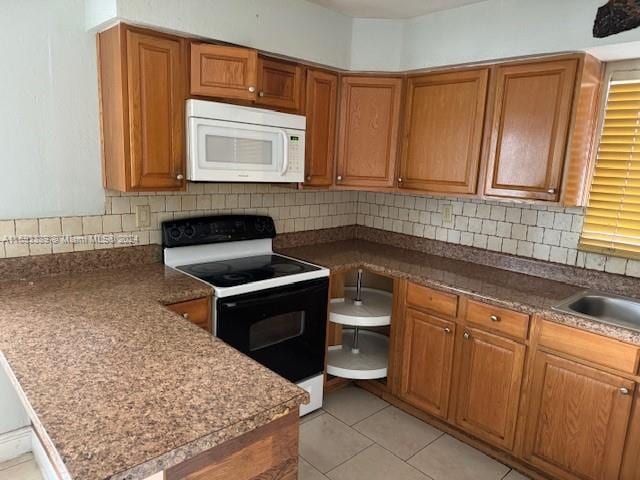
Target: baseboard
x=24, y=440
x=42, y=459
x=15, y=443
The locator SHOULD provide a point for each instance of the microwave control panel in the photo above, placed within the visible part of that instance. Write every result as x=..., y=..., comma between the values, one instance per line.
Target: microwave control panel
x=296, y=153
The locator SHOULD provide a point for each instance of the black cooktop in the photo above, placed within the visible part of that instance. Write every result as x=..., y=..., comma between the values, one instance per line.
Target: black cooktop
x=238, y=271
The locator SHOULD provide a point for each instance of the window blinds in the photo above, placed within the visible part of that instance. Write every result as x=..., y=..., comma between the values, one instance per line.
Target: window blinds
x=612, y=222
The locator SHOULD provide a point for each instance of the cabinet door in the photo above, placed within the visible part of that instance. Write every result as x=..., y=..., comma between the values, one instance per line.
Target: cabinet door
x=368, y=138
x=280, y=84
x=157, y=93
x=428, y=357
x=530, y=128
x=444, y=120
x=224, y=72
x=196, y=311
x=322, y=111
x=491, y=369
x=577, y=419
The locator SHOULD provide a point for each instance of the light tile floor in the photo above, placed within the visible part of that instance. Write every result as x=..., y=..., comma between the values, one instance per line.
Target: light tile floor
x=358, y=436
x=23, y=467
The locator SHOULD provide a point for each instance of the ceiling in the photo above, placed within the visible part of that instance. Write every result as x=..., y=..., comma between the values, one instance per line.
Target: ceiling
x=391, y=8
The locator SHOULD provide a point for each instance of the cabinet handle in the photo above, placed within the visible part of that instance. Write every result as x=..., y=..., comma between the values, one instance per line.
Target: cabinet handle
x=624, y=391
x=252, y=89
x=447, y=330
x=400, y=180
x=551, y=190
x=308, y=178
x=179, y=177
x=494, y=318
x=467, y=336
x=339, y=178
x=261, y=94
x=185, y=315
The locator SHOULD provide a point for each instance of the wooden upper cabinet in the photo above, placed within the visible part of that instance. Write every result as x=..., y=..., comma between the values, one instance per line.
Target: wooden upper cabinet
x=224, y=72
x=322, y=112
x=368, y=136
x=577, y=419
x=428, y=360
x=143, y=89
x=530, y=127
x=443, y=131
x=280, y=84
x=488, y=397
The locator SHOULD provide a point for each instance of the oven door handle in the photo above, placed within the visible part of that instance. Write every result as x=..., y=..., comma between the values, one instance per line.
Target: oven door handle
x=267, y=299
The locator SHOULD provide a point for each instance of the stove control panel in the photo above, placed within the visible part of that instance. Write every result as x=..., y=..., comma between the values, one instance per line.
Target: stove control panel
x=216, y=229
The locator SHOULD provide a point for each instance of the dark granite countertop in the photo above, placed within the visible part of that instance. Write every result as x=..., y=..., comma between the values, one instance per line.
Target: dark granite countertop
x=120, y=387
x=518, y=291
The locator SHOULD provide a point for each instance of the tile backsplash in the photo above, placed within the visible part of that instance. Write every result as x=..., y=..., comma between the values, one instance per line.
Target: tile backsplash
x=292, y=210
x=533, y=231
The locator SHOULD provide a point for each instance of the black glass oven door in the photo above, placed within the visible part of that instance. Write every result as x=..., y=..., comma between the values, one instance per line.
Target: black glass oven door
x=282, y=328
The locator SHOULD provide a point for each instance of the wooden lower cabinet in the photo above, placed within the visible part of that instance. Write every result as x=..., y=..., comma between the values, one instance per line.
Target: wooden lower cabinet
x=428, y=360
x=577, y=419
x=269, y=452
x=488, y=396
x=196, y=311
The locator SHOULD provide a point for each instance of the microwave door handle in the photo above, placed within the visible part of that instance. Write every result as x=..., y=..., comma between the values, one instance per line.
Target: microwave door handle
x=285, y=148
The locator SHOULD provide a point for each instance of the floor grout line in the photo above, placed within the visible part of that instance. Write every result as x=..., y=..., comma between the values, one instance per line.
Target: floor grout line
x=374, y=443
x=350, y=458
x=442, y=434
x=354, y=455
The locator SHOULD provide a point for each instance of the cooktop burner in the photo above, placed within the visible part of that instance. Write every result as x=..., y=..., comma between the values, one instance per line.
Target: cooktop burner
x=239, y=271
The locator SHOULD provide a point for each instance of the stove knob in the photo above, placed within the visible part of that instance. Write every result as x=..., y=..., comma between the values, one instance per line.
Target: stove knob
x=175, y=233
x=189, y=231
x=260, y=225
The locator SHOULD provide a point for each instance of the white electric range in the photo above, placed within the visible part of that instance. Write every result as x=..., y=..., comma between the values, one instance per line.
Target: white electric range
x=270, y=307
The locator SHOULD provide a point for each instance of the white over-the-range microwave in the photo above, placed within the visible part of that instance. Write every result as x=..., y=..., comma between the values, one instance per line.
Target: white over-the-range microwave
x=231, y=143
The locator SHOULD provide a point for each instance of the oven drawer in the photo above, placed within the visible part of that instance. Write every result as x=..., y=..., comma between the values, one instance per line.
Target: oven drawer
x=196, y=311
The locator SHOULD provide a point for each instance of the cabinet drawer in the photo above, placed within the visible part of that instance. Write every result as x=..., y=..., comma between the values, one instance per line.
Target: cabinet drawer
x=589, y=346
x=196, y=311
x=432, y=300
x=514, y=324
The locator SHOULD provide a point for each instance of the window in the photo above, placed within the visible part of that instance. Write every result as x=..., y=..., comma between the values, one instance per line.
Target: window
x=612, y=221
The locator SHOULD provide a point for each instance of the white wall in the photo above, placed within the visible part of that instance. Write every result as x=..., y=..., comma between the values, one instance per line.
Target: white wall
x=294, y=28
x=376, y=44
x=484, y=31
x=49, y=122
x=12, y=414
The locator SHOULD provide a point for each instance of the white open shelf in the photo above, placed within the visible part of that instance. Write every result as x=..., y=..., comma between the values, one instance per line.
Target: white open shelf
x=373, y=311
x=369, y=363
